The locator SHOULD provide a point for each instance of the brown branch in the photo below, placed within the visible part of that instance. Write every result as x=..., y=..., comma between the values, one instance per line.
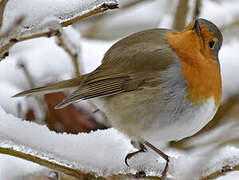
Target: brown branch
x=100, y=9
x=180, y=15
x=43, y=162
x=4, y=49
x=3, y=4
x=91, y=175
x=221, y=172
x=74, y=57
x=22, y=66
x=197, y=9
x=30, y=80
x=69, y=171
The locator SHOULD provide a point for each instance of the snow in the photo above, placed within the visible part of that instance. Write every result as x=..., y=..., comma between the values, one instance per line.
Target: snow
x=230, y=176
x=102, y=151
x=43, y=16
x=37, y=11
x=10, y=168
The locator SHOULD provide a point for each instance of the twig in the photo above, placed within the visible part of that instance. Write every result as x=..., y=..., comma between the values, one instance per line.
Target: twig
x=69, y=171
x=100, y=9
x=83, y=175
x=180, y=15
x=3, y=4
x=4, y=49
x=22, y=66
x=32, y=85
x=74, y=56
x=197, y=9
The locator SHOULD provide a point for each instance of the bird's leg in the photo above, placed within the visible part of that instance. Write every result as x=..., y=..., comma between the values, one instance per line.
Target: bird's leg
x=142, y=148
x=165, y=156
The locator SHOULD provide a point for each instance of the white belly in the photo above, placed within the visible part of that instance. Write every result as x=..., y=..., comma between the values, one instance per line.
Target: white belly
x=187, y=124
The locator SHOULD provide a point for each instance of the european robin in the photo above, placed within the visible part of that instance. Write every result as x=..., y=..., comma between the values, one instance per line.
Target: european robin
x=156, y=84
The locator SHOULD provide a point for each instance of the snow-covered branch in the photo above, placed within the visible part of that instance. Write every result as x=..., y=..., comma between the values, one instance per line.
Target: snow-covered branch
x=45, y=19
x=101, y=153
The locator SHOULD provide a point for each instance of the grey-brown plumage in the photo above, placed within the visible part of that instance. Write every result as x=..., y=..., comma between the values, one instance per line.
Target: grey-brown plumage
x=131, y=64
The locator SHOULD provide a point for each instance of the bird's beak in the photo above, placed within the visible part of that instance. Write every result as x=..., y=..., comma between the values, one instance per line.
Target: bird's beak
x=196, y=27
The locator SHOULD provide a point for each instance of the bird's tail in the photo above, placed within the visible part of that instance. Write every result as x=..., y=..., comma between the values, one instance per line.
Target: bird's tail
x=59, y=86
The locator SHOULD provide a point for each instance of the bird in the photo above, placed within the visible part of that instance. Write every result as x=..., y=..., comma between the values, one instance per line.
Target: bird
x=154, y=85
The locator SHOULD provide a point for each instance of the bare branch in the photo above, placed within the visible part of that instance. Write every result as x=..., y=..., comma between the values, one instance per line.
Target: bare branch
x=22, y=66
x=4, y=49
x=3, y=4
x=180, y=15
x=30, y=80
x=197, y=9
x=74, y=56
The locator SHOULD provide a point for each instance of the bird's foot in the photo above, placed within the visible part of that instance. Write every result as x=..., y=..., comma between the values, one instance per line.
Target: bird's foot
x=163, y=155
x=130, y=155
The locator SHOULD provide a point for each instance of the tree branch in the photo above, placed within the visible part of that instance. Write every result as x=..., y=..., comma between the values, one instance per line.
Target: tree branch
x=74, y=56
x=99, y=9
x=180, y=15
x=197, y=9
x=69, y=171
x=52, y=32
x=39, y=101
x=221, y=172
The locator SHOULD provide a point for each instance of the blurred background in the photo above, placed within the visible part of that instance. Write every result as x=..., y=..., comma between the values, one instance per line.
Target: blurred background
x=80, y=48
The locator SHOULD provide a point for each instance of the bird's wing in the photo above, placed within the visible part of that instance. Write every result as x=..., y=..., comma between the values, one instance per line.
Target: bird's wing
x=133, y=63
x=56, y=87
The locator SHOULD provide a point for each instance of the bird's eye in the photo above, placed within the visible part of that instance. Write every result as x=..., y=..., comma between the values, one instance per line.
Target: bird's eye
x=211, y=44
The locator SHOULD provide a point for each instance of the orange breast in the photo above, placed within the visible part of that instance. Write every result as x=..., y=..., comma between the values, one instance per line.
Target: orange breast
x=199, y=68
